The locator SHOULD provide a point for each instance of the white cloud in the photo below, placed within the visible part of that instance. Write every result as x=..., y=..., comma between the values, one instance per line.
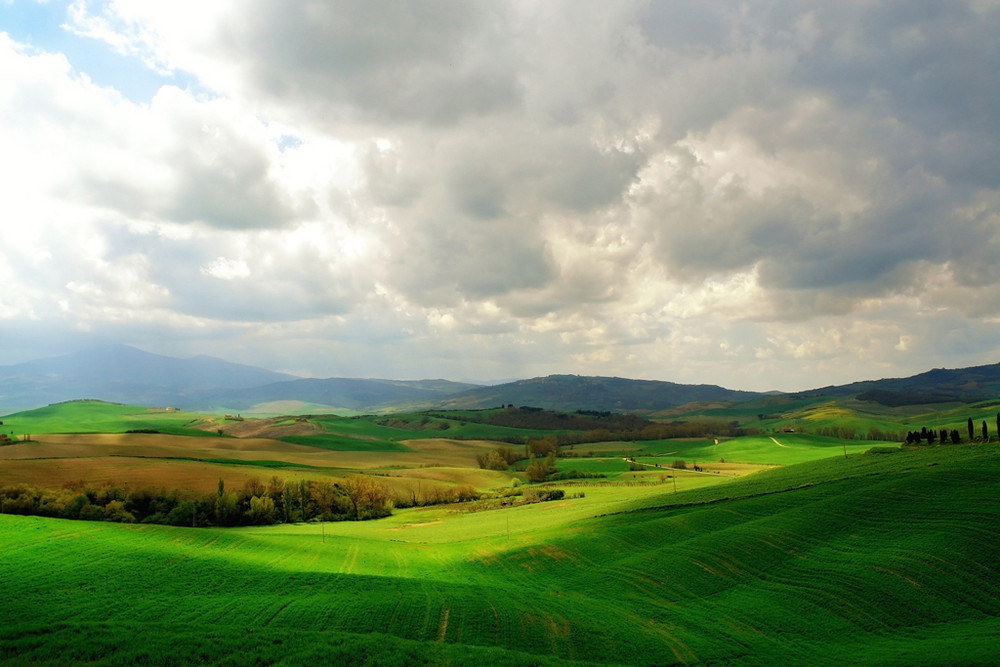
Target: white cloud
x=690, y=191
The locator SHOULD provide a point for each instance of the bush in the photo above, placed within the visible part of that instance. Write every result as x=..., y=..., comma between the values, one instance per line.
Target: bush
x=679, y=465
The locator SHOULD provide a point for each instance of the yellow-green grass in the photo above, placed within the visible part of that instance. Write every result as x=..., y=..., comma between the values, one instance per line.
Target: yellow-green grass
x=775, y=449
x=875, y=559
x=99, y=417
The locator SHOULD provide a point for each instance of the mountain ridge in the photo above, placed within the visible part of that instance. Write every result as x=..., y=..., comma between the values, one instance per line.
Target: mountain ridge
x=124, y=374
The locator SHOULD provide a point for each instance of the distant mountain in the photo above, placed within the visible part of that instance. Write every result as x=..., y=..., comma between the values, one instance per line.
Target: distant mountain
x=122, y=374
x=342, y=393
x=576, y=392
x=941, y=385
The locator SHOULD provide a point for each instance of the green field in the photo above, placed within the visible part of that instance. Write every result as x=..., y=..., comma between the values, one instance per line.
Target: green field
x=877, y=558
x=99, y=417
x=778, y=548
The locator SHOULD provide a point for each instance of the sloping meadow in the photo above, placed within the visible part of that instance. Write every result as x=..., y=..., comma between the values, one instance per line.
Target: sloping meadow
x=880, y=558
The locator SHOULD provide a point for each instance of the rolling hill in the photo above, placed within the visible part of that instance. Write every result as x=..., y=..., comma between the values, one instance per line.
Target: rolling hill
x=576, y=392
x=873, y=559
x=119, y=373
x=940, y=385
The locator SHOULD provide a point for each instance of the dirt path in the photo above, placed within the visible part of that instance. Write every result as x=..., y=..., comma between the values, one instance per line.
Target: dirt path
x=775, y=441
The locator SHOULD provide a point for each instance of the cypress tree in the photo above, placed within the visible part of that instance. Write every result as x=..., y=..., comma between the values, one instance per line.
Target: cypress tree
x=972, y=431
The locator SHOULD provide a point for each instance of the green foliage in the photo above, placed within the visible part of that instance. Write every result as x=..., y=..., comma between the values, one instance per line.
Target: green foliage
x=539, y=469
x=497, y=459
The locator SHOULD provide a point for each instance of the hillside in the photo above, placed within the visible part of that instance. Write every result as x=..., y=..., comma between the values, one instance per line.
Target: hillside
x=576, y=392
x=940, y=385
x=118, y=373
x=899, y=570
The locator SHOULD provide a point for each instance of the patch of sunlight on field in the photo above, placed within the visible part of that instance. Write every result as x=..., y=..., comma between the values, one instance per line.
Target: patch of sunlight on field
x=444, y=524
x=829, y=412
x=481, y=479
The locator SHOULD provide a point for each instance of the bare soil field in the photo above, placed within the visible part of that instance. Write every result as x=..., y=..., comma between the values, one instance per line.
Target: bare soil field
x=161, y=460
x=276, y=427
x=135, y=473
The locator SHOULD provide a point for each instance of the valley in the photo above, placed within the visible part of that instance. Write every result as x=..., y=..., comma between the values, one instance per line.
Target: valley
x=776, y=545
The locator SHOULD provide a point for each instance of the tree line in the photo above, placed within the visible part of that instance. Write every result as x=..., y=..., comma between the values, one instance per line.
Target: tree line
x=943, y=436
x=356, y=498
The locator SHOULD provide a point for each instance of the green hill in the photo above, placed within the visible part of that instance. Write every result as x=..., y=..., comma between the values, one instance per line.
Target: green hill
x=577, y=392
x=99, y=417
x=875, y=558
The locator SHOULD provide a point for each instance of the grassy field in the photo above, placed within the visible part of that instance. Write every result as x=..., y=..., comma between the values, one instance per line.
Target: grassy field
x=88, y=442
x=874, y=558
x=100, y=417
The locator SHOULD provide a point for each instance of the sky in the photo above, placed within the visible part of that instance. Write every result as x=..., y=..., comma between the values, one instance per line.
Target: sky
x=763, y=195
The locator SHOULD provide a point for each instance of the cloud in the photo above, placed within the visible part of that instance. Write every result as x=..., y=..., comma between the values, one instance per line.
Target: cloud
x=676, y=190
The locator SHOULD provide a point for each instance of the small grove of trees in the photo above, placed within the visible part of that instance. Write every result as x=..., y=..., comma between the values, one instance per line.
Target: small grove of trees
x=930, y=436
x=497, y=459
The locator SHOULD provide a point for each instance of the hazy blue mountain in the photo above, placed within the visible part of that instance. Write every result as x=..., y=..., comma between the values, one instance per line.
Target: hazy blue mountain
x=348, y=393
x=122, y=374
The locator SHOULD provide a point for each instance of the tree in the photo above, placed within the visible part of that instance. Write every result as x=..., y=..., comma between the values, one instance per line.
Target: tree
x=544, y=445
x=323, y=496
x=227, y=507
x=303, y=499
x=287, y=503
x=986, y=434
x=491, y=460
x=368, y=497
x=539, y=469
x=955, y=437
x=972, y=431
x=274, y=488
x=254, y=487
x=261, y=510
x=115, y=511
